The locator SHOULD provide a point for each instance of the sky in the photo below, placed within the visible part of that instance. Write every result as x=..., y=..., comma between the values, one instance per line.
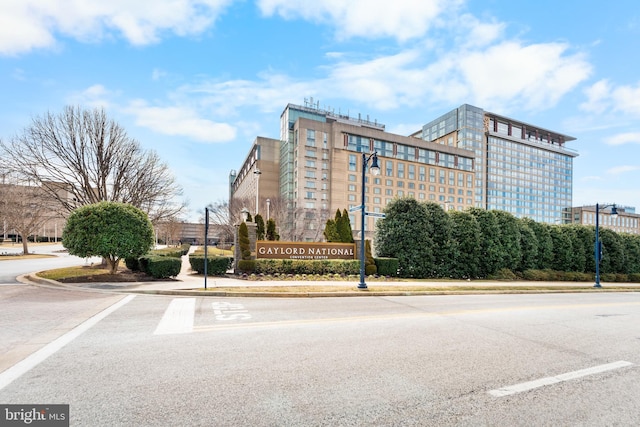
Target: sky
x=198, y=80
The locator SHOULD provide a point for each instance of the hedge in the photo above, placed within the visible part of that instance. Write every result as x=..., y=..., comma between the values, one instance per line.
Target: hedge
x=289, y=266
x=216, y=265
x=387, y=266
x=160, y=267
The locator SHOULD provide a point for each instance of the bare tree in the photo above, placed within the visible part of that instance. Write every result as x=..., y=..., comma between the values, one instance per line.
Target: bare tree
x=24, y=208
x=80, y=157
x=223, y=216
x=170, y=230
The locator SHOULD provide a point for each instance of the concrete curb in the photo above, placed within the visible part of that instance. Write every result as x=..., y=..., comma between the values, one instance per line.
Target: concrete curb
x=32, y=279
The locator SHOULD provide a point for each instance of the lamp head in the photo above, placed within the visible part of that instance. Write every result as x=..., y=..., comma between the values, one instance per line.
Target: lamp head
x=614, y=212
x=375, y=169
x=245, y=214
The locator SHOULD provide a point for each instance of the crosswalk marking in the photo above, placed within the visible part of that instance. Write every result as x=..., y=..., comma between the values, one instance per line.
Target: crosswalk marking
x=178, y=318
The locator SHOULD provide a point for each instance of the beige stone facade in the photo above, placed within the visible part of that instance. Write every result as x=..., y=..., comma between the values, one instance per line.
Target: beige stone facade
x=317, y=170
x=627, y=220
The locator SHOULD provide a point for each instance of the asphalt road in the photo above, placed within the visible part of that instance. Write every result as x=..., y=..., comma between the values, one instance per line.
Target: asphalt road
x=10, y=269
x=500, y=360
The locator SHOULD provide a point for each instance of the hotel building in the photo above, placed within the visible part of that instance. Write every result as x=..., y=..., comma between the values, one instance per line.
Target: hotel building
x=627, y=221
x=467, y=157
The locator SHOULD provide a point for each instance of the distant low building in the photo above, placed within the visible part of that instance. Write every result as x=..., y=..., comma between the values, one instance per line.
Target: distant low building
x=627, y=221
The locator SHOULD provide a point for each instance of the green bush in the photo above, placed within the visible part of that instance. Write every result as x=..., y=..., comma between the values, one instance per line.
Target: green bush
x=634, y=277
x=161, y=267
x=503, y=274
x=170, y=252
x=216, y=265
x=387, y=266
x=132, y=264
x=247, y=265
x=321, y=267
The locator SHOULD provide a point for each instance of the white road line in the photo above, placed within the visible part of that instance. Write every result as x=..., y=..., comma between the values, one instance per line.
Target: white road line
x=519, y=388
x=178, y=318
x=24, y=366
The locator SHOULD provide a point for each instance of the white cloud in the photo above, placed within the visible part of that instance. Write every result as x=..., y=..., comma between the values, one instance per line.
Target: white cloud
x=400, y=19
x=96, y=96
x=32, y=24
x=623, y=138
x=618, y=170
x=603, y=96
x=179, y=121
x=534, y=76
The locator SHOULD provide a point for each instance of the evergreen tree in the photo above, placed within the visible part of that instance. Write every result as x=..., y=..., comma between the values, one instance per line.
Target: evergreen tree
x=331, y=231
x=405, y=234
x=562, y=249
x=244, y=242
x=545, y=244
x=613, y=257
x=441, y=236
x=528, y=246
x=271, y=230
x=344, y=228
x=490, y=246
x=508, y=240
x=369, y=263
x=466, y=239
x=259, y=227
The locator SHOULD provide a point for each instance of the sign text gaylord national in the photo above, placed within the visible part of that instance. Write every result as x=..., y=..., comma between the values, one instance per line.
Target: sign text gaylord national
x=304, y=250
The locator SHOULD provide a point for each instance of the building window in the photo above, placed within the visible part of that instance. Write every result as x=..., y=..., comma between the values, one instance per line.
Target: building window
x=400, y=170
x=389, y=168
x=311, y=138
x=412, y=172
x=310, y=195
x=352, y=162
x=310, y=164
x=352, y=178
x=310, y=184
x=310, y=174
x=352, y=187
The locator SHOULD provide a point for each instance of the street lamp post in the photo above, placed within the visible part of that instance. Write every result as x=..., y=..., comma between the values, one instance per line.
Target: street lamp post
x=257, y=173
x=268, y=206
x=375, y=170
x=598, y=244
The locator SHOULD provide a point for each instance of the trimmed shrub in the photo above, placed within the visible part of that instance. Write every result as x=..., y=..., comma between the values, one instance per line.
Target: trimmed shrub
x=161, y=267
x=132, y=264
x=387, y=266
x=634, y=277
x=216, y=266
x=247, y=265
x=170, y=252
x=503, y=274
x=321, y=267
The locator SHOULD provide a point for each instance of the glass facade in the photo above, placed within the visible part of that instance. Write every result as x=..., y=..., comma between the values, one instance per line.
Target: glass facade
x=518, y=168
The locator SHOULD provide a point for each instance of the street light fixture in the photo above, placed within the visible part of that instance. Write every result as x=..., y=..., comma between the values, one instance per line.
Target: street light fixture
x=375, y=170
x=257, y=173
x=245, y=214
x=268, y=206
x=598, y=245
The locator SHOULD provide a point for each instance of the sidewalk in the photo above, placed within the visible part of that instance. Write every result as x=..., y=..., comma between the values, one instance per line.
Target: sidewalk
x=189, y=283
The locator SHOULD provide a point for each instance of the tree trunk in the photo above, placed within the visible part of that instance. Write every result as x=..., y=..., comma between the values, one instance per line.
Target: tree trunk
x=113, y=265
x=25, y=245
